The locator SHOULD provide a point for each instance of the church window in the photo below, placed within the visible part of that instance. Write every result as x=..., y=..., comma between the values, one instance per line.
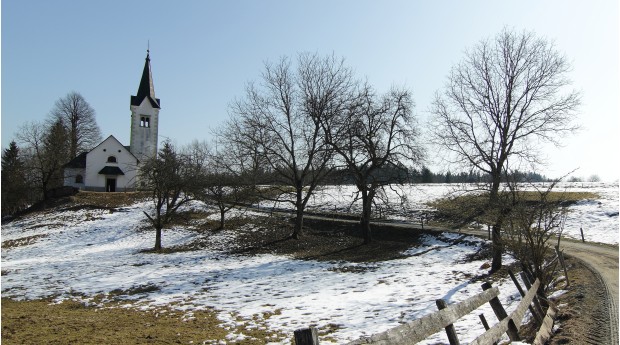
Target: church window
x=145, y=121
x=111, y=159
x=79, y=179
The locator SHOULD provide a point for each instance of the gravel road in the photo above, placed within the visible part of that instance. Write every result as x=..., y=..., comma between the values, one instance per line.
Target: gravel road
x=603, y=260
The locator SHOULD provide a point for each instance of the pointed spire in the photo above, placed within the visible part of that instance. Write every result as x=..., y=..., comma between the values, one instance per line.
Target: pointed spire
x=146, y=88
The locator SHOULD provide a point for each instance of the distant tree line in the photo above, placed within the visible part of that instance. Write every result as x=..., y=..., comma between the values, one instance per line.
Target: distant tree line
x=425, y=175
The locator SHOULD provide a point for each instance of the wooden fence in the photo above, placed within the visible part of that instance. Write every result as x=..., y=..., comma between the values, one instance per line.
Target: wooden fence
x=420, y=329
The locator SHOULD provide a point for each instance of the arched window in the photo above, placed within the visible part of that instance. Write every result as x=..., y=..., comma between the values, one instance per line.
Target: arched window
x=111, y=159
x=145, y=121
x=79, y=179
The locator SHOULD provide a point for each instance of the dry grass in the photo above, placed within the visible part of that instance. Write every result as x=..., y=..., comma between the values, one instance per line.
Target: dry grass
x=40, y=322
x=22, y=242
x=108, y=200
x=467, y=208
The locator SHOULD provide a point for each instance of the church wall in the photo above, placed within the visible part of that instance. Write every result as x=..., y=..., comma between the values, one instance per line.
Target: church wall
x=70, y=175
x=98, y=158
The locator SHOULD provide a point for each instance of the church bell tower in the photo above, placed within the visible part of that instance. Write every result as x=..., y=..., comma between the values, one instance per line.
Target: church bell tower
x=144, y=108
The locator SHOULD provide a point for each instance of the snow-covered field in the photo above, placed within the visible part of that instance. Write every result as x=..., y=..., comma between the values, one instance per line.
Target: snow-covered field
x=91, y=252
x=597, y=217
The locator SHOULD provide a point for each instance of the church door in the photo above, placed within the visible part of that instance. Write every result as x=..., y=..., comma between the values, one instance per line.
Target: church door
x=110, y=185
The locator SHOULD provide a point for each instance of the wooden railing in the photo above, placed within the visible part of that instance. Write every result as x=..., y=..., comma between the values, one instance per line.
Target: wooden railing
x=420, y=329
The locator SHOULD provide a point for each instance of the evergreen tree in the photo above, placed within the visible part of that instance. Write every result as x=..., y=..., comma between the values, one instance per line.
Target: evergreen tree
x=448, y=177
x=56, y=148
x=427, y=175
x=46, y=150
x=14, y=186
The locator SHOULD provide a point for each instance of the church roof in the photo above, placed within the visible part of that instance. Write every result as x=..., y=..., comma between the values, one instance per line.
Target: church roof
x=77, y=162
x=146, y=89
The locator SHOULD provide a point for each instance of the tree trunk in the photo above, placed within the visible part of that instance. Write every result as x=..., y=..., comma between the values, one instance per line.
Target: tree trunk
x=222, y=216
x=158, y=226
x=497, y=247
x=366, y=212
x=222, y=219
x=157, y=238
x=496, y=239
x=299, y=218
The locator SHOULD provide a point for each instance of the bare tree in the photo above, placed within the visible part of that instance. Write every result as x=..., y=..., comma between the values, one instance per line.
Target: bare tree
x=172, y=178
x=226, y=186
x=220, y=180
x=79, y=119
x=500, y=101
x=374, y=135
x=535, y=217
x=280, y=119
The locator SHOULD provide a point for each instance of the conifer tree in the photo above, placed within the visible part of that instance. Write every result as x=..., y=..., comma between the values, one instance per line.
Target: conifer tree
x=14, y=186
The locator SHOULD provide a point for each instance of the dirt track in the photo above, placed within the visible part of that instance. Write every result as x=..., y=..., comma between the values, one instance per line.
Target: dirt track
x=603, y=260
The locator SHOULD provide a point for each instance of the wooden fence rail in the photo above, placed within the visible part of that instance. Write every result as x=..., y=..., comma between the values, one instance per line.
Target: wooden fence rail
x=420, y=329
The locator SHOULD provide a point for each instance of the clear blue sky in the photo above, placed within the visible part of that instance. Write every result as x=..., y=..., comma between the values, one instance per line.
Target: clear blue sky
x=204, y=52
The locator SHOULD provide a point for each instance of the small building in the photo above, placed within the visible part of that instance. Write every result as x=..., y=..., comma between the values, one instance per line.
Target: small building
x=110, y=166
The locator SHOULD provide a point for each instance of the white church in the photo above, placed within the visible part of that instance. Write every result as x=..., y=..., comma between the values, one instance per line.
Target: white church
x=111, y=166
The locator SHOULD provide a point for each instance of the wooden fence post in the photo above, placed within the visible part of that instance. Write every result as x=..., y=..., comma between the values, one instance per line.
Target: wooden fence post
x=450, y=330
x=561, y=258
x=485, y=324
x=307, y=336
x=528, y=285
x=582, y=238
x=528, y=273
x=534, y=312
x=500, y=312
x=553, y=262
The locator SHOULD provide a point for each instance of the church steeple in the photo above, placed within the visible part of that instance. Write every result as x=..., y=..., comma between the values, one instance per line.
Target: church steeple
x=146, y=89
x=145, y=109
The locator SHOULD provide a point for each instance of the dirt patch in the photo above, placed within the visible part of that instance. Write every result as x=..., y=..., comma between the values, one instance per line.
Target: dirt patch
x=20, y=242
x=328, y=241
x=82, y=200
